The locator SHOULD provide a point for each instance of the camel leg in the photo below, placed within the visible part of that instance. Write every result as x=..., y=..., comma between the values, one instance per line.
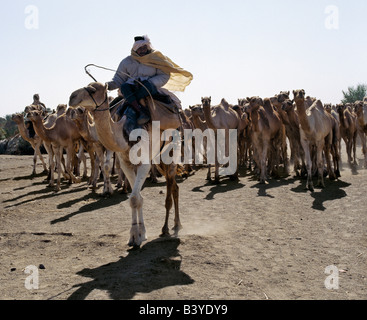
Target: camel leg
x=70, y=156
x=364, y=148
x=308, y=161
x=34, y=162
x=355, y=148
x=327, y=148
x=172, y=198
x=320, y=167
x=107, y=168
x=264, y=155
x=138, y=232
x=58, y=155
x=38, y=151
x=82, y=158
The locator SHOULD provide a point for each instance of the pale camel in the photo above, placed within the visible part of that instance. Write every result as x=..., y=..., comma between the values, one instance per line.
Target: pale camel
x=266, y=134
x=360, y=108
x=111, y=134
x=348, y=131
x=102, y=157
x=34, y=140
x=219, y=117
x=315, y=132
x=62, y=135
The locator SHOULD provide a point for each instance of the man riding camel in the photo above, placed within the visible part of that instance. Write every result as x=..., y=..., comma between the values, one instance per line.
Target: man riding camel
x=147, y=72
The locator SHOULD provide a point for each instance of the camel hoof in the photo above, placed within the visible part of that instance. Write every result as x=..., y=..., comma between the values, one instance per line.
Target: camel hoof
x=234, y=178
x=132, y=243
x=176, y=229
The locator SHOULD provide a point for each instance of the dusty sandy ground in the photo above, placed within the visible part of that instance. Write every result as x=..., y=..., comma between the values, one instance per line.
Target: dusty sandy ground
x=241, y=240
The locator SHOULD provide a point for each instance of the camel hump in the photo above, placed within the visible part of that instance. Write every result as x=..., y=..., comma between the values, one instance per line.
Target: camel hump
x=263, y=117
x=225, y=104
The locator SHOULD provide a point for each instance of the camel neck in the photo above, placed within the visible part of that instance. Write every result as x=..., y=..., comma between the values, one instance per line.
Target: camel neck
x=110, y=133
x=301, y=110
x=208, y=116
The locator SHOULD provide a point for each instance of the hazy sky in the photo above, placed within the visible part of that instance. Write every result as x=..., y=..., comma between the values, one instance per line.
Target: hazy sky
x=234, y=48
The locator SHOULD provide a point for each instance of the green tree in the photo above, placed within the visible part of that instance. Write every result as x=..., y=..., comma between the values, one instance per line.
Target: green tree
x=355, y=93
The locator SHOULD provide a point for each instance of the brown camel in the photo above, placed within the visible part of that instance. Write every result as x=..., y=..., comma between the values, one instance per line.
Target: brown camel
x=361, y=112
x=266, y=134
x=348, y=131
x=99, y=156
x=293, y=129
x=248, y=150
x=34, y=140
x=64, y=134
x=94, y=99
x=242, y=131
x=218, y=117
x=315, y=132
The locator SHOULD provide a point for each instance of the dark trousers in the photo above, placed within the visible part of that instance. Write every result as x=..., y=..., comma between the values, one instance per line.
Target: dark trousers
x=134, y=92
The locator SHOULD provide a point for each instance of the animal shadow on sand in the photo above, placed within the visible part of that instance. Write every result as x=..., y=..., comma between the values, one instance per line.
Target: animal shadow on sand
x=333, y=190
x=98, y=203
x=154, y=266
x=225, y=185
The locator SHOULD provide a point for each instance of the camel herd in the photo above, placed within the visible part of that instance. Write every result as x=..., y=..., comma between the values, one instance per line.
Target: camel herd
x=272, y=134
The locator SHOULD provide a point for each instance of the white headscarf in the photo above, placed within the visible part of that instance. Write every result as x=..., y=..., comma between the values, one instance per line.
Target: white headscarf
x=140, y=43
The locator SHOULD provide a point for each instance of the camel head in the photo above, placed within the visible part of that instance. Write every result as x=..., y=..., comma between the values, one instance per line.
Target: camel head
x=196, y=110
x=299, y=95
x=17, y=118
x=340, y=108
x=287, y=105
x=255, y=103
x=242, y=102
x=328, y=107
x=206, y=101
x=282, y=96
x=90, y=97
x=34, y=115
x=358, y=108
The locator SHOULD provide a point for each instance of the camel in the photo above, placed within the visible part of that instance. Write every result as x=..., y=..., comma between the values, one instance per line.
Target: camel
x=361, y=113
x=267, y=133
x=242, y=131
x=111, y=134
x=63, y=134
x=217, y=117
x=35, y=141
x=88, y=131
x=197, y=115
x=293, y=129
x=348, y=131
x=315, y=132
x=285, y=109
x=247, y=141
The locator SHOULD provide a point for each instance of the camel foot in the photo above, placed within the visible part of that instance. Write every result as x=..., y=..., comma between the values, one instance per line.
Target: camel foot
x=234, y=177
x=137, y=235
x=176, y=229
x=165, y=232
x=337, y=173
x=215, y=181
